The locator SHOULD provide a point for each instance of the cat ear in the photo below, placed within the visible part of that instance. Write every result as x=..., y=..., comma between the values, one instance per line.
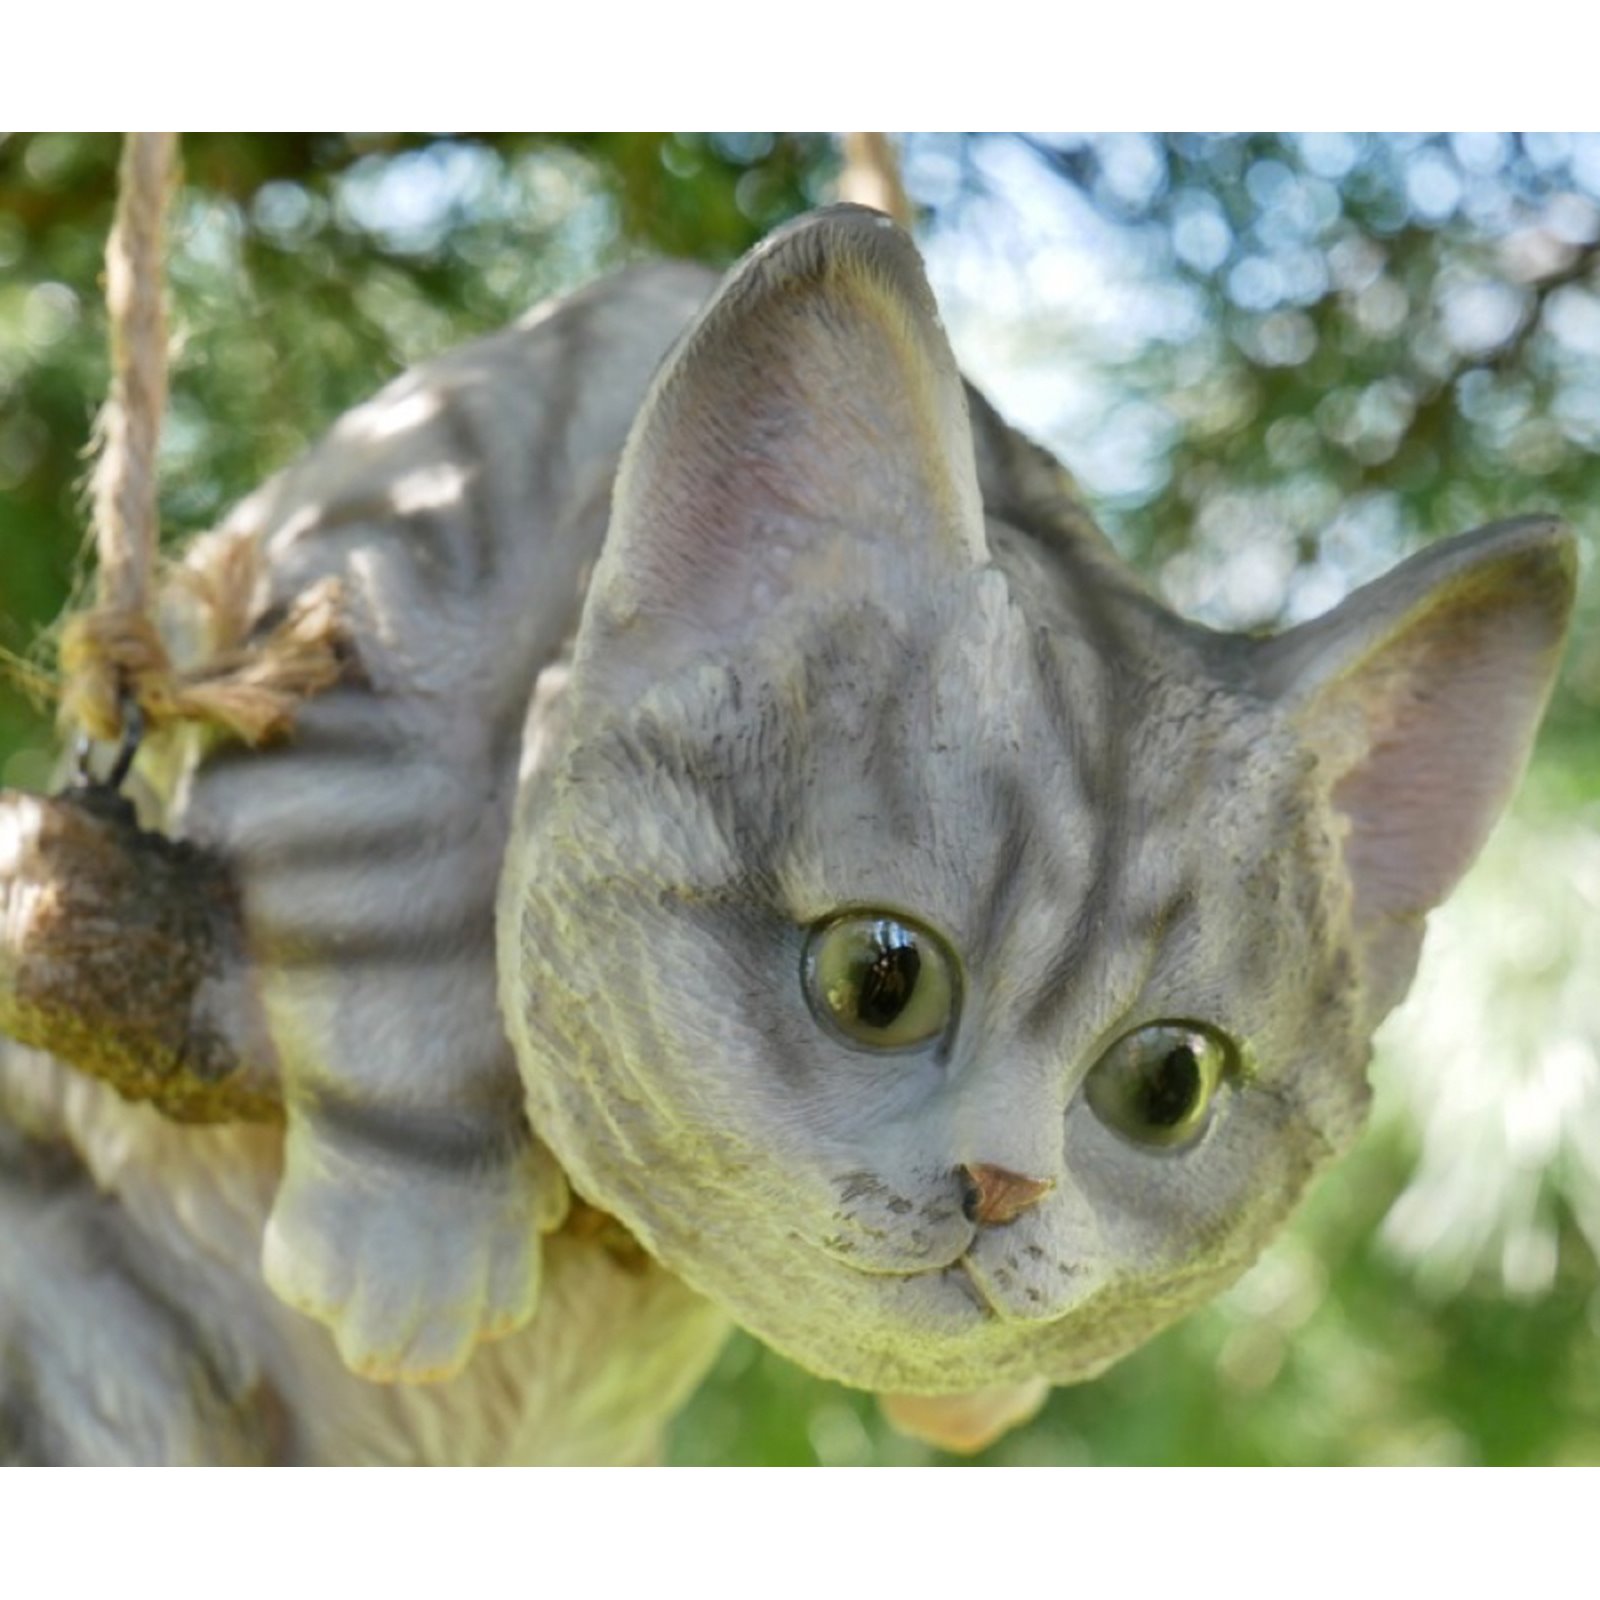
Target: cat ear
x=1420, y=695
x=809, y=433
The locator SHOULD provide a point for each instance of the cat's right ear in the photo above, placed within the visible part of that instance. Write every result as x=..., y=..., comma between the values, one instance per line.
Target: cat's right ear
x=808, y=436
x=1419, y=696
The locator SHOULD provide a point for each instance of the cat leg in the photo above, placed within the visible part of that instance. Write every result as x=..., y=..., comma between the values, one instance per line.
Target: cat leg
x=103, y=1360
x=414, y=1197
x=412, y=1234
x=458, y=511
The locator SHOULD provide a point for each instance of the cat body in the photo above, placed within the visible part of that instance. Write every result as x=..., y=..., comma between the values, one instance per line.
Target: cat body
x=933, y=952
x=134, y=1319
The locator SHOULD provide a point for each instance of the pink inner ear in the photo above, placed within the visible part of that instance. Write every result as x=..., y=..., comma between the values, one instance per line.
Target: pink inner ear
x=1451, y=709
x=808, y=437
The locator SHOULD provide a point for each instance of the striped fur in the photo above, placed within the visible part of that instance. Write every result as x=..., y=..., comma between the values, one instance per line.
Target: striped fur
x=460, y=510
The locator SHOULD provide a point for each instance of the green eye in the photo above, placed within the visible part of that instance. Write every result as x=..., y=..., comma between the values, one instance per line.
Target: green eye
x=879, y=982
x=1155, y=1085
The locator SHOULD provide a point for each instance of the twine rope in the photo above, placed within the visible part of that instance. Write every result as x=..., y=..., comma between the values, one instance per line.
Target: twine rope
x=871, y=175
x=114, y=654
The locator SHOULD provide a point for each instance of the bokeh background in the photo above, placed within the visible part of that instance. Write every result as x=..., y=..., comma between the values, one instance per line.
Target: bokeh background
x=1276, y=364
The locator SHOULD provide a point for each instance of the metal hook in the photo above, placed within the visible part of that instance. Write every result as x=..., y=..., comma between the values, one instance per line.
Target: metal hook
x=132, y=737
x=122, y=761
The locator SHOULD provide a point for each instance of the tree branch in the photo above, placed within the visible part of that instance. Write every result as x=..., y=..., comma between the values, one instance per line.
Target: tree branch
x=122, y=953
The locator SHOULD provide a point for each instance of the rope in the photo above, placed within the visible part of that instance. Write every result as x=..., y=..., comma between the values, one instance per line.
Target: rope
x=871, y=175
x=113, y=656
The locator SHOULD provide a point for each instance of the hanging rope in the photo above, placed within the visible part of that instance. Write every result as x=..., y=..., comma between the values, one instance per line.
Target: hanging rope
x=116, y=942
x=115, y=665
x=871, y=175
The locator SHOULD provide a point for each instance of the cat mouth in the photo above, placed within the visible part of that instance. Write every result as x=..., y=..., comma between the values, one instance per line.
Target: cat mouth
x=846, y=1254
x=950, y=1276
x=951, y=1279
x=971, y=1285
x=1020, y=1297
x=963, y=1283
x=962, y=1287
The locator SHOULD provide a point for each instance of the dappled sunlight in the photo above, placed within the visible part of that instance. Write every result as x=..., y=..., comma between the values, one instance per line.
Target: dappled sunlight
x=1265, y=1310
x=413, y=407
x=1494, y=1064
x=430, y=488
x=19, y=834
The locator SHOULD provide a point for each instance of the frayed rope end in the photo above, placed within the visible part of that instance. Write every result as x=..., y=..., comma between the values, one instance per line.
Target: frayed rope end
x=110, y=656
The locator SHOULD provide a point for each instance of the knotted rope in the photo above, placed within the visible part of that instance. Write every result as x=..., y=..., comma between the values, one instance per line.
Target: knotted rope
x=113, y=659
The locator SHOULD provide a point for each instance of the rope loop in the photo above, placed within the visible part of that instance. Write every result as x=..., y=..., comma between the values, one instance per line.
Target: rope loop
x=111, y=657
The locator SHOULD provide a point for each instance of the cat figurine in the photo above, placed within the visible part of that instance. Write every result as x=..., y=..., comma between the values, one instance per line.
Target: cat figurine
x=768, y=859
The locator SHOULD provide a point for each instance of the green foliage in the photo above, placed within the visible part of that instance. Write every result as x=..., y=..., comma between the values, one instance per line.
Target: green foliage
x=1277, y=363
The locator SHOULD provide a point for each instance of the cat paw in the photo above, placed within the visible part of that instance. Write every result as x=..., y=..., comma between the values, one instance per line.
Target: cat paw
x=410, y=1264
x=965, y=1423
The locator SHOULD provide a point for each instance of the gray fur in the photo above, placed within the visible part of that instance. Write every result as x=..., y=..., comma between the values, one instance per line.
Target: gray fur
x=849, y=642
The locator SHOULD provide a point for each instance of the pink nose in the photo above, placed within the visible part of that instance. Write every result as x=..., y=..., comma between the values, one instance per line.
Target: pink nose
x=992, y=1195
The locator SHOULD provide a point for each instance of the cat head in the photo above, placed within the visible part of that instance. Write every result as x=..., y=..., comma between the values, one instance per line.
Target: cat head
x=935, y=951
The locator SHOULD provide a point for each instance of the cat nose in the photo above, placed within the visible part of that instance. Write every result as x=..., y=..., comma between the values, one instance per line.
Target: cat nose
x=992, y=1195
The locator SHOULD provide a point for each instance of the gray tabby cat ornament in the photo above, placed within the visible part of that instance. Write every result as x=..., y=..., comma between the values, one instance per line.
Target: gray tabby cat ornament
x=762, y=805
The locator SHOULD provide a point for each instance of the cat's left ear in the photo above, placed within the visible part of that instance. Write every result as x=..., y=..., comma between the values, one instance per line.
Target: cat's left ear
x=808, y=435
x=1420, y=695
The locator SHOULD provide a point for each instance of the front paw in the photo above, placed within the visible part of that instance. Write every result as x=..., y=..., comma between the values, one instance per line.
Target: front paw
x=410, y=1262
x=965, y=1423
